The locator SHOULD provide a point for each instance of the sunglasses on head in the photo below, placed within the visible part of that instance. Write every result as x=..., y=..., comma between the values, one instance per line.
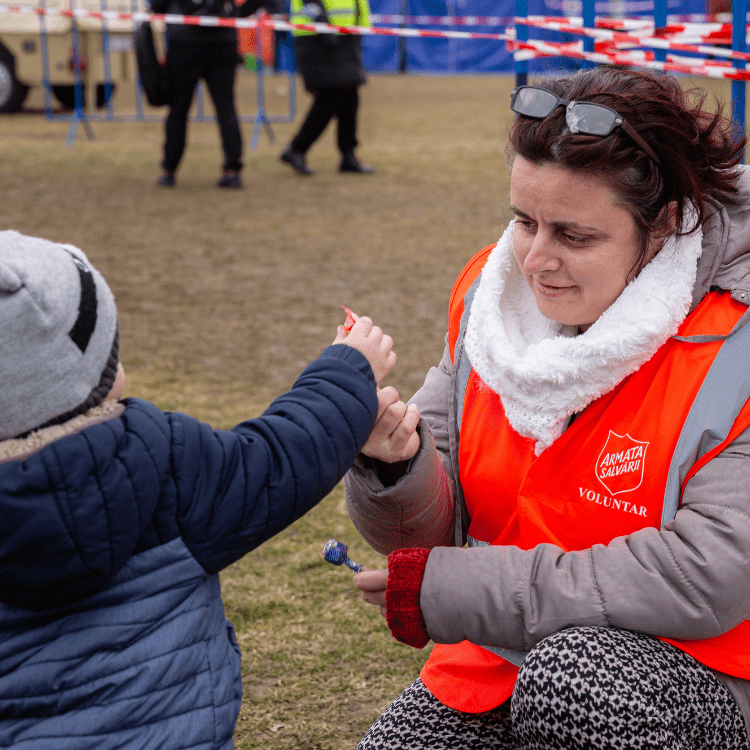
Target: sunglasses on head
x=582, y=117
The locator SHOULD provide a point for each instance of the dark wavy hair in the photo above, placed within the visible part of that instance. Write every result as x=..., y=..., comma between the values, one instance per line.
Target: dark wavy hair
x=699, y=147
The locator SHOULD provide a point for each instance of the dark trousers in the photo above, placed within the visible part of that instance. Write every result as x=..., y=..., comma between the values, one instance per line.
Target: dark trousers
x=216, y=64
x=329, y=103
x=582, y=687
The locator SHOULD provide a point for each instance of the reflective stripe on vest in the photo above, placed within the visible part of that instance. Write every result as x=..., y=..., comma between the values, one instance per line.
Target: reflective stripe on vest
x=464, y=366
x=729, y=377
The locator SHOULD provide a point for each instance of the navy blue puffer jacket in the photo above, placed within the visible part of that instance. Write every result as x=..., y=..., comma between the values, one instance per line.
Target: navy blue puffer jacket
x=112, y=629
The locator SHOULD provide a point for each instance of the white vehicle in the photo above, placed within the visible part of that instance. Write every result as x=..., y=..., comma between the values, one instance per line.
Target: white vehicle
x=27, y=38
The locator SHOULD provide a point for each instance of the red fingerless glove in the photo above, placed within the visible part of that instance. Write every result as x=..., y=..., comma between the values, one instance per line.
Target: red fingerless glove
x=403, y=613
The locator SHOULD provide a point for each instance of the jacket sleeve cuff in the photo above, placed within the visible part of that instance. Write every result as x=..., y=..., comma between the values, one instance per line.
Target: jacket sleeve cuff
x=403, y=612
x=351, y=356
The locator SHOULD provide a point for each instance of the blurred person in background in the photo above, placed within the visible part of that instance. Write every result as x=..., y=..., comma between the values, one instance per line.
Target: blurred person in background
x=331, y=68
x=210, y=53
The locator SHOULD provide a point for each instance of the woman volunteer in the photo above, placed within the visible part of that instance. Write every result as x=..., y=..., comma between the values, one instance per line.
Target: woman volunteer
x=587, y=432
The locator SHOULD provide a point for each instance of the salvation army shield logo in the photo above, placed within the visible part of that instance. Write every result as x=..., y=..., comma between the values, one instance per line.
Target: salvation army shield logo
x=620, y=464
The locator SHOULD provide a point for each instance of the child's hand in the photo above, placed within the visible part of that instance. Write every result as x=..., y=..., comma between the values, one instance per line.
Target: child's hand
x=395, y=437
x=373, y=583
x=372, y=342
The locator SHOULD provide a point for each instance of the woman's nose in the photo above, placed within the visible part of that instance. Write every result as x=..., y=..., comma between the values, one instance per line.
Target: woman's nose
x=542, y=256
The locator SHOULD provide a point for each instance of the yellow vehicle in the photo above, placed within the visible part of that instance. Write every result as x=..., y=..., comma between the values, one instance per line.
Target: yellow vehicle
x=34, y=47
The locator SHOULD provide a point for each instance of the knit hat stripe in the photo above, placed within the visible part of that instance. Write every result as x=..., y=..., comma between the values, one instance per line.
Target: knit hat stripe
x=85, y=324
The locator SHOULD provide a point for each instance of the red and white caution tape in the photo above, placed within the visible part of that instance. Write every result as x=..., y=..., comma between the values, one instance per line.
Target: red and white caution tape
x=717, y=18
x=534, y=48
x=603, y=22
x=600, y=23
x=245, y=23
x=612, y=46
x=617, y=38
x=680, y=31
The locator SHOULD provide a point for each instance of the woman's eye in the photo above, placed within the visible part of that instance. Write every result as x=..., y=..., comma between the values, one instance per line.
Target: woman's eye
x=574, y=239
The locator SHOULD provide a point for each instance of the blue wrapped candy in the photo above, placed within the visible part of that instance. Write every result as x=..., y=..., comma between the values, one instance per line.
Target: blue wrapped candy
x=335, y=552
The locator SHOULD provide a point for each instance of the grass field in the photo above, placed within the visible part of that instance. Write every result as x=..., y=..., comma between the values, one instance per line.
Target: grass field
x=224, y=296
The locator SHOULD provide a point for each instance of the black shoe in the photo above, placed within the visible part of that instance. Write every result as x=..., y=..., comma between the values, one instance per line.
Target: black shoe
x=350, y=163
x=230, y=180
x=166, y=180
x=296, y=160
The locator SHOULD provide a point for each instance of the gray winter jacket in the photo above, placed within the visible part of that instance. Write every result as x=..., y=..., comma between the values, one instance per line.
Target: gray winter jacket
x=688, y=580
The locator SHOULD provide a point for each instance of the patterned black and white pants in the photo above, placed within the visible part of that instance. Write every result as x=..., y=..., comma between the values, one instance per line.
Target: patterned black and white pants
x=585, y=688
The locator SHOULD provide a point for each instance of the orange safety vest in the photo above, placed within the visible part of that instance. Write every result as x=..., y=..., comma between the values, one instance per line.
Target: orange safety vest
x=622, y=465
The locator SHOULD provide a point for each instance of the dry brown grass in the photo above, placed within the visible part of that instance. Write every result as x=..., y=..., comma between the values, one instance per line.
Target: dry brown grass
x=225, y=296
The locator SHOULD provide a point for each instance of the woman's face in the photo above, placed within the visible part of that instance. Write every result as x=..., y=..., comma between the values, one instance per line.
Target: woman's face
x=574, y=244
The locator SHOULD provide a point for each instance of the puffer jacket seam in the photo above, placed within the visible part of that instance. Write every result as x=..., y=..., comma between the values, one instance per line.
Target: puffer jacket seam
x=166, y=687
x=598, y=589
x=170, y=441
x=328, y=435
x=61, y=500
x=318, y=457
x=105, y=505
x=741, y=283
x=266, y=489
x=173, y=471
x=148, y=451
x=343, y=416
x=724, y=232
x=687, y=582
x=518, y=596
x=222, y=473
x=159, y=427
x=115, y=731
x=63, y=737
x=404, y=541
x=168, y=620
x=206, y=607
x=685, y=578
x=126, y=468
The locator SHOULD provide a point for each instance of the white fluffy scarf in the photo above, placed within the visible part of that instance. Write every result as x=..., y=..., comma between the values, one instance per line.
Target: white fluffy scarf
x=541, y=370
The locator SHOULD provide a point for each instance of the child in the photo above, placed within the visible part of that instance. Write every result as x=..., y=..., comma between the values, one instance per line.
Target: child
x=116, y=517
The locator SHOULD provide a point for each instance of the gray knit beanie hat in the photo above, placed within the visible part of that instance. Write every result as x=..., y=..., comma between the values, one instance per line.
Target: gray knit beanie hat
x=59, y=343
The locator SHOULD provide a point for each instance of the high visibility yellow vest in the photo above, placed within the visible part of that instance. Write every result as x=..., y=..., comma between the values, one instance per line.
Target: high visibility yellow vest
x=340, y=13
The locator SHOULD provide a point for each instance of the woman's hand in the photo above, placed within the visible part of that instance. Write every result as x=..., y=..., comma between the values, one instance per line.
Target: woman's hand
x=372, y=583
x=395, y=436
x=403, y=610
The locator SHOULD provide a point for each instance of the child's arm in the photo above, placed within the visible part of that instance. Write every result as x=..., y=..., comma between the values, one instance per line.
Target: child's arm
x=237, y=489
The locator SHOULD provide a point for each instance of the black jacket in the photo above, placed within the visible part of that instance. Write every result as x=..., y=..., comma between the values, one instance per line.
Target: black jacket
x=328, y=61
